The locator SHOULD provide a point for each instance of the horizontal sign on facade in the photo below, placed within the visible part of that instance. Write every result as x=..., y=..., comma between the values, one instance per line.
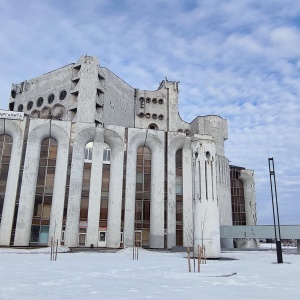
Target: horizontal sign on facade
x=12, y=115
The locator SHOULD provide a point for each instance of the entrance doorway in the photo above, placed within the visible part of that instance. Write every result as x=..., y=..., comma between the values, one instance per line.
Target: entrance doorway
x=102, y=239
x=138, y=238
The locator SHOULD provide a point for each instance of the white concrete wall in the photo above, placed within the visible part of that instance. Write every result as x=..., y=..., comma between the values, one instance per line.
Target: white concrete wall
x=224, y=195
x=16, y=130
x=247, y=177
x=187, y=193
x=175, y=142
x=206, y=208
x=154, y=140
x=114, y=136
x=84, y=133
x=38, y=131
x=95, y=189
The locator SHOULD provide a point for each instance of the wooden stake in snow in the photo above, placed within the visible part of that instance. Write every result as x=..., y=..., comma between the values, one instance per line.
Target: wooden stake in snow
x=199, y=257
x=54, y=249
x=189, y=258
x=135, y=250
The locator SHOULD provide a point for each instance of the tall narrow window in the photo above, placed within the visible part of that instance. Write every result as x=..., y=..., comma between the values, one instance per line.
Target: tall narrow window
x=85, y=192
x=5, y=152
x=237, y=197
x=104, y=196
x=88, y=152
x=44, y=193
x=106, y=156
x=179, y=203
x=142, y=197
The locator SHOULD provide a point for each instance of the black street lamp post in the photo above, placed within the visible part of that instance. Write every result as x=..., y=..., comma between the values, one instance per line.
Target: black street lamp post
x=275, y=213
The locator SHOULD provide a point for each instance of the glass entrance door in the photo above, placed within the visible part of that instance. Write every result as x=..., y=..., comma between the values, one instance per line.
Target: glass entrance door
x=44, y=235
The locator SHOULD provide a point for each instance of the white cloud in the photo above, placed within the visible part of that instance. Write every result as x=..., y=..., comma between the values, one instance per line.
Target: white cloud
x=236, y=59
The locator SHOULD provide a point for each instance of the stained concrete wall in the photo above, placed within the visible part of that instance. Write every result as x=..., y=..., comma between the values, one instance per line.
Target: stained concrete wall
x=119, y=104
x=224, y=195
x=154, y=140
x=16, y=130
x=42, y=86
x=206, y=208
x=247, y=177
x=38, y=131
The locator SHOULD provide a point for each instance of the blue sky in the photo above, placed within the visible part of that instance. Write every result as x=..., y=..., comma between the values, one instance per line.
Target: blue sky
x=237, y=59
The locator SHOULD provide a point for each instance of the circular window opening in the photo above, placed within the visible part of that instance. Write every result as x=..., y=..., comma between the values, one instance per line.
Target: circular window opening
x=141, y=114
x=187, y=132
x=154, y=116
x=180, y=130
x=160, y=101
x=154, y=100
x=148, y=100
x=161, y=117
x=207, y=154
x=29, y=105
x=51, y=98
x=39, y=102
x=63, y=95
x=147, y=115
x=13, y=93
x=20, y=107
x=153, y=126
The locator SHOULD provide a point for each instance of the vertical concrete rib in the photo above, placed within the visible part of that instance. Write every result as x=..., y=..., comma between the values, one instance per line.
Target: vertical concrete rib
x=157, y=196
x=95, y=189
x=38, y=130
x=16, y=130
x=60, y=131
x=114, y=136
x=187, y=193
x=85, y=133
x=154, y=141
x=206, y=211
x=130, y=194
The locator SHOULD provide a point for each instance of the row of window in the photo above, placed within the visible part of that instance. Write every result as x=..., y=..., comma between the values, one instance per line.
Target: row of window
x=154, y=116
x=88, y=154
x=40, y=101
x=148, y=100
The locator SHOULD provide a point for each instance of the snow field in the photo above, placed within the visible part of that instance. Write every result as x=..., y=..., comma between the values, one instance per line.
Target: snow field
x=156, y=275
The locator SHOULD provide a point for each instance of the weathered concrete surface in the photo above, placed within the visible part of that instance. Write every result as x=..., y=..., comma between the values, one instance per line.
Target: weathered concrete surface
x=206, y=209
x=16, y=130
x=154, y=140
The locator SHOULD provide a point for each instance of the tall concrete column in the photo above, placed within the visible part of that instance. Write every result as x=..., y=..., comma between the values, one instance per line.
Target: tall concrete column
x=16, y=130
x=157, y=198
x=95, y=189
x=61, y=132
x=171, y=213
x=247, y=177
x=206, y=209
x=175, y=142
x=224, y=195
x=39, y=129
x=154, y=141
x=114, y=137
x=187, y=193
x=84, y=133
x=130, y=196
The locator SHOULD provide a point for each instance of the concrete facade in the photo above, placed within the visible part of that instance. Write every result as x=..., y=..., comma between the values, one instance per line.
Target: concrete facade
x=179, y=186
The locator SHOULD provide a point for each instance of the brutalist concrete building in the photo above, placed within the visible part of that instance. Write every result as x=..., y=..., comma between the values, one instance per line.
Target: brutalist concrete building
x=93, y=162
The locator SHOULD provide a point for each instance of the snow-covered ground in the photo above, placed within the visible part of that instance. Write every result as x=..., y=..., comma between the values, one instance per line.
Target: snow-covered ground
x=28, y=274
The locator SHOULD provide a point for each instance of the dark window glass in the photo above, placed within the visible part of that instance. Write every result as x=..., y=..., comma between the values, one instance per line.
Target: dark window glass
x=62, y=94
x=51, y=98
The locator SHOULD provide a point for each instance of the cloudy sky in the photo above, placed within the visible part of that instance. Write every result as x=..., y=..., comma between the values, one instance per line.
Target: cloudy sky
x=237, y=59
